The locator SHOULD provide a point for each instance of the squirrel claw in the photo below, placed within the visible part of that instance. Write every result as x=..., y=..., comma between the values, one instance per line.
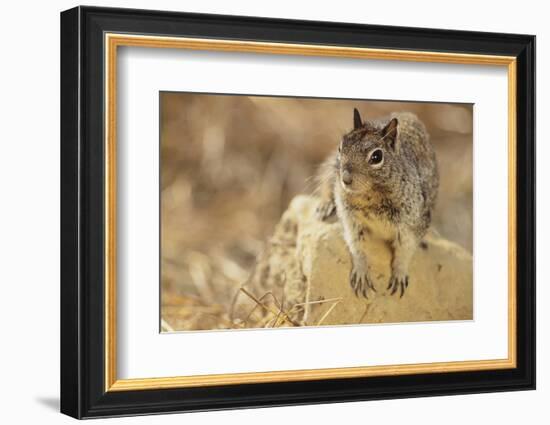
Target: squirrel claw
x=398, y=283
x=361, y=283
x=325, y=210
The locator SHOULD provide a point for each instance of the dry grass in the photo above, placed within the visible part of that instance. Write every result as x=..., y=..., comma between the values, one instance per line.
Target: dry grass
x=229, y=167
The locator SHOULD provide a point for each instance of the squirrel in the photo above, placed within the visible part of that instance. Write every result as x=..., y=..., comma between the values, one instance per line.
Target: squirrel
x=381, y=181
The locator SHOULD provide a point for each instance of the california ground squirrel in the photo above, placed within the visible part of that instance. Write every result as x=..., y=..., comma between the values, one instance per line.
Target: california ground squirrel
x=382, y=181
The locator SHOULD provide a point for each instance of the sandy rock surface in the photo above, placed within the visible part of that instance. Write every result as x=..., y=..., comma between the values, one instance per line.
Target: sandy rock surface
x=303, y=277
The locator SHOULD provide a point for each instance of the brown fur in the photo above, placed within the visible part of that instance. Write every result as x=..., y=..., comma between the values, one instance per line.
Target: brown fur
x=392, y=199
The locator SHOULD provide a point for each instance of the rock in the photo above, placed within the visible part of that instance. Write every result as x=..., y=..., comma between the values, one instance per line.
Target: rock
x=304, y=274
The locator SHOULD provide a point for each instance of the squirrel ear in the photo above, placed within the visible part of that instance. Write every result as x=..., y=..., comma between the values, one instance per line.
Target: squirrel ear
x=389, y=133
x=356, y=119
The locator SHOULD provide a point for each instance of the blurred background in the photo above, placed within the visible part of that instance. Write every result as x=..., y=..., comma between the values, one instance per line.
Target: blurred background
x=230, y=166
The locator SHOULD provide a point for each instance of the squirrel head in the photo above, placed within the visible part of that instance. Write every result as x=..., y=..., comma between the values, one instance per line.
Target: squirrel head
x=368, y=156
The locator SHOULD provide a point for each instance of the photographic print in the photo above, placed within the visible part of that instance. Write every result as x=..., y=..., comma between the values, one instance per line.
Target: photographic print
x=313, y=211
x=289, y=212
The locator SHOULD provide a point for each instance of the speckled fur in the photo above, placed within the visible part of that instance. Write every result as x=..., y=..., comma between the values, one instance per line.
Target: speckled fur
x=392, y=201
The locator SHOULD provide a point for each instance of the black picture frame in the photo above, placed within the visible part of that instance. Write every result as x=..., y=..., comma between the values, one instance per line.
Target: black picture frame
x=83, y=392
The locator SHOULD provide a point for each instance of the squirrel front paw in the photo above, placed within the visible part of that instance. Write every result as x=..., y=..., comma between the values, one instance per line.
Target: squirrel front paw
x=325, y=210
x=360, y=281
x=398, y=281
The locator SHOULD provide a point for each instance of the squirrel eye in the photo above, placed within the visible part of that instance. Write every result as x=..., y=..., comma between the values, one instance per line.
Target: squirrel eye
x=376, y=157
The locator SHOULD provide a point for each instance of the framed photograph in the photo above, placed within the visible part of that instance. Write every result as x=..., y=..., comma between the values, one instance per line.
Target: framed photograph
x=261, y=212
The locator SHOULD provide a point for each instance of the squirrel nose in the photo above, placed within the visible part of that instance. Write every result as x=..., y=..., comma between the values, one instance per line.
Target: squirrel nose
x=346, y=177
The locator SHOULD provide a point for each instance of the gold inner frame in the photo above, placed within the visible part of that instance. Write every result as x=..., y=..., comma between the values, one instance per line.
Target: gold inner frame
x=113, y=41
